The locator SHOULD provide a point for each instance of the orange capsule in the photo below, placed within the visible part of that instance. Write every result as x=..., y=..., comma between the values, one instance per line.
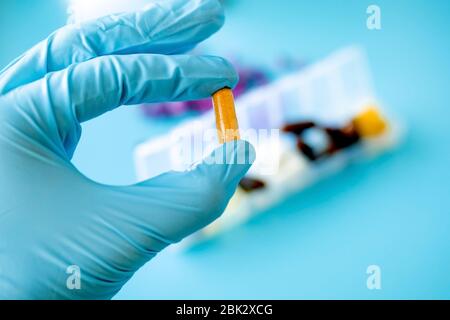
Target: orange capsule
x=226, y=120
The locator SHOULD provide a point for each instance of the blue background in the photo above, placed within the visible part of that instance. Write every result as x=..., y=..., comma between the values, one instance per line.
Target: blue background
x=393, y=212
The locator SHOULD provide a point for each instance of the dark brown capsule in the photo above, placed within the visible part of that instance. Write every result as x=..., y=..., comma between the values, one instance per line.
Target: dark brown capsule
x=298, y=128
x=251, y=184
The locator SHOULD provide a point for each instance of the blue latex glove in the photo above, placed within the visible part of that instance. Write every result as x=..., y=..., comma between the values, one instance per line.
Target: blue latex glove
x=51, y=216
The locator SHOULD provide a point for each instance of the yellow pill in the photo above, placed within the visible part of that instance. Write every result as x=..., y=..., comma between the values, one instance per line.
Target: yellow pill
x=226, y=120
x=370, y=123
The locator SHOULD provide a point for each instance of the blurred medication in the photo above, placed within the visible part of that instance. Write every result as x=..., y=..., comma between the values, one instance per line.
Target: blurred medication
x=328, y=106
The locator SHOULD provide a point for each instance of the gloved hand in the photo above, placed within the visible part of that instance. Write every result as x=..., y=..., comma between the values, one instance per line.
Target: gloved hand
x=54, y=221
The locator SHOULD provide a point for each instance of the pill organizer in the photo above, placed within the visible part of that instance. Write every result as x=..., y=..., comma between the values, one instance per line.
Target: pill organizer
x=334, y=92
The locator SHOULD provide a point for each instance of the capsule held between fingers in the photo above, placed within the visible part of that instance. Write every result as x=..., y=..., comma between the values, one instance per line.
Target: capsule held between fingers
x=226, y=120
